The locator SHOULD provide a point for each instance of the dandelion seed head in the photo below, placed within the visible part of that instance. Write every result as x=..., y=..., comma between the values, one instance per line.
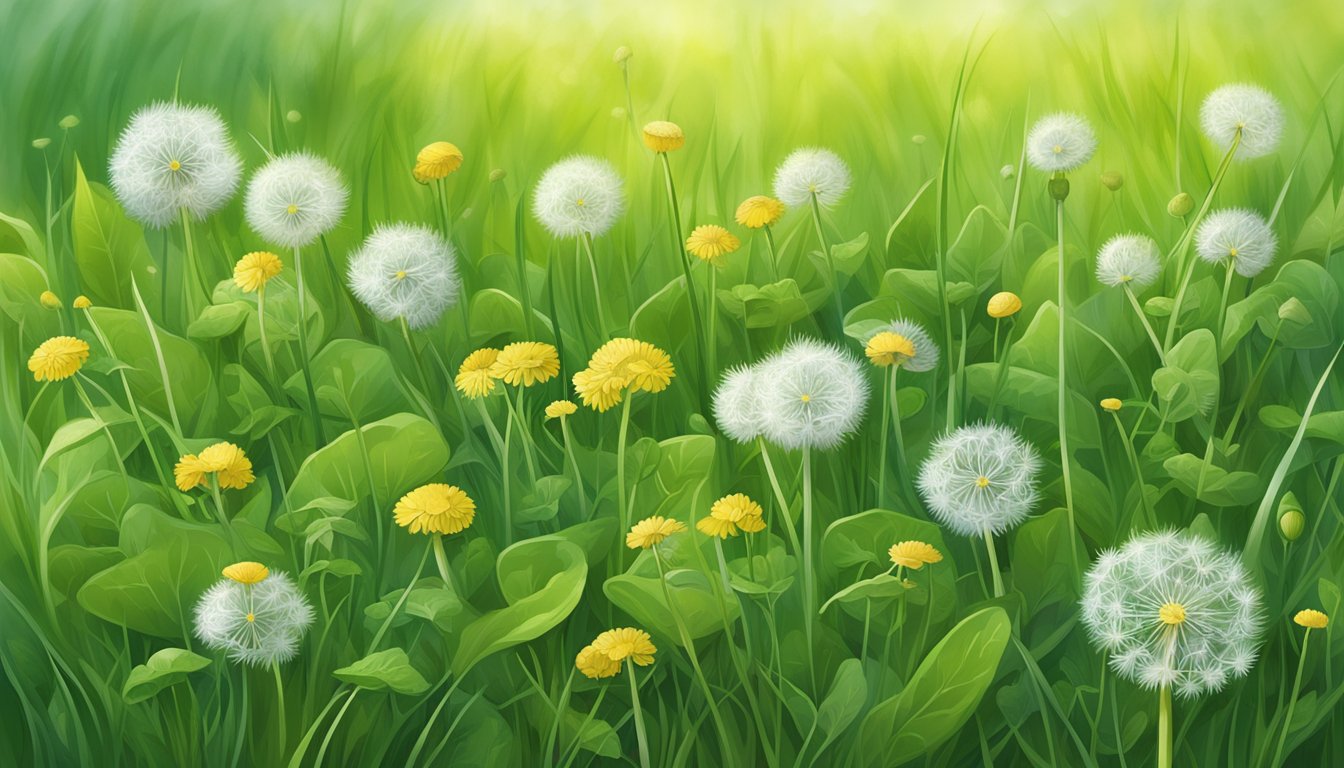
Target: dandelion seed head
x=812, y=395
x=1246, y=109
x=811, y=171
x=1240, y=235
x=171, y=158
x=1060, y=143
x=405, y=271
x=980, y=478
x=579, y=195
x=294, y=199
x=257, y=624
x=1131, y=259
x=737, y=405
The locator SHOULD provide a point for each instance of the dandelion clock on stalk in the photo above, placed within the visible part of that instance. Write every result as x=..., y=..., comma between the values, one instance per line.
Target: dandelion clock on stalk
x=980, y=479
x=811, y=171
x=258, y=617
x=926, y=349
x=737, y=404
x=1239, y=235
x=1173, y=611
x=405, y=271
x=577, y=196
x=1060, y=143
x=173, y=158
x=1131, y=259
x=1246, y=110
x=294, y=199
x=812, y=395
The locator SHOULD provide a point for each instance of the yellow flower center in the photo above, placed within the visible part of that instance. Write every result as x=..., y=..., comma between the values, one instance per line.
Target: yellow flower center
x=251, y=617
x=401, y=274
x=579, y=202
x=1172, y=614
x=982, y=482
x=173, y=165
x=1057, y=149
x=806, y=398
x=292, y=209
x=812, y=188
x=1232, y=252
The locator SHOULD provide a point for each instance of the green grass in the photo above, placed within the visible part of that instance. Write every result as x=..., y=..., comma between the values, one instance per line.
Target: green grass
x=100, y=569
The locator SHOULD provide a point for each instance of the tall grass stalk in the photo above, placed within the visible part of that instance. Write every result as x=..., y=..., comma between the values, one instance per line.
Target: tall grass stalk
x=304, y=358
x=1063, y=389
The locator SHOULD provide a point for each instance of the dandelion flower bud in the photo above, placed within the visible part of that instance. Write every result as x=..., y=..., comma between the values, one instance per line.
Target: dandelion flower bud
x=1311, y=619
x=710, y=242
x=49, y=300
x=1292, y=309
x=1243, y=110
x=68, y=122
x=1130, y=259
x=759, y=211
x=1111, y=404
x=1058, y=188
x=498, y=174
x=174, y=157
x=580, y=195
x=294, y=199
x=1237, y=235
x=405, y=271
x=980, y=478
x=436, y=161
x=254, y=270
x=622, y=54
x=58, y=358
x=1291, y=520
x=1060, y=143
x=258, y=617
x=1007, y=172
x=1112, y=180
x=663, y=136
x=1003, y=304
x=1173, y=611
x=560, y=409
x=41, y=143
x=809, y=172
x=81, y=302
x=293, y=116
x=1181, y=205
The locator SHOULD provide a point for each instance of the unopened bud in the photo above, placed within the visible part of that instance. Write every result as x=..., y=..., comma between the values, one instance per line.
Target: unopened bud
x=1181, y=205
x=1295, y=311
x=1059, y=189
x=1112, y=180
x=622, y=54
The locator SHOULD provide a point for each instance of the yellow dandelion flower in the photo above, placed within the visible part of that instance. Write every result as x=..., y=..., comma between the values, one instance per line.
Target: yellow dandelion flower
x=731, y=514
x=436, y=161
x=560, y=409
x=49, y=300
x=599, y=390
x=473, y=376
x=596, y=664
x=887, y=348
x=255, y=269
x=57, y=358
x=1111, y=404
x=81, y=302
x=662, y=136
x=759, y=211
x=914, y=554
x=710, y=242
x=1003, y=304
x=651, y=531
x=435, y=508
x=525, y=363
x=1311, y=619
x=231, y=466
x=622, y=364
x=247, y=572
x=626, y=643
x=190, y=472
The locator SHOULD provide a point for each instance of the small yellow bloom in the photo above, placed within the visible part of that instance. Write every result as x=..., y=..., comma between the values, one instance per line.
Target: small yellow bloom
x=596, y=664
x=254, y=270
x=560, y=409
x=231, y=466
x=1003, y=304
x=662, y=136
x=473, y=376
x=57, y=358
x=435, y=508
x=247, y=572
x=436, y=161
x=81, y=302
x=1311, y=619
x=190, y=472
x=887, y=348
x=1171, y=614
x=759, y=211
x=914, y=554
x=626, y=643
x=651, y=531
x=49, y=300
x=525, y=363
x=731, y=514
x=1111, y=404
x=620, y=365
x=710, y=242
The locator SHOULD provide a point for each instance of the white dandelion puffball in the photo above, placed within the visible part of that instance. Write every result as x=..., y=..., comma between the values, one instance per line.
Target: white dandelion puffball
x=1060, y=143
x=1132, y=259
x=1172, y=609
x=926, y=349
x=811, y=171
x=812, y=395
x=1248, y=109
x=1238, y=234
x=405, y=271
x=980, y=479
x=294, y=199
x=579, y=195
x=737, y=404
x=258, y=624
x=173, y=158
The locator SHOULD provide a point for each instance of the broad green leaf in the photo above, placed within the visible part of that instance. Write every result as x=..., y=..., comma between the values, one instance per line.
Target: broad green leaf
x=879, y=587
x=109, y=247
x=1220, y=487
x=189, y=373
x=354, y=380
x=164, y=669
x=22, y=280
x=388, y=670
x=843, y=701
x=1188, y=383
x=765, y=306
x=974, y=257
x=542, y=502
x=219, y=320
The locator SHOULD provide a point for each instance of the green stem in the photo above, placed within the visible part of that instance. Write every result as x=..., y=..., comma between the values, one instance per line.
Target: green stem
x=1164, y=728
x=107, y=431
x=261, y=333
x=691, y=295
x=331, y=730
x=994, y=564
x=1138, y=472
x=280, y=707
x=639, y=715
x=1064, y=459
x=1292, y=701
x=882, y=437
x=830, y=262
x=525, y=429
x=587, y=241
x=302, y=329
x=419, y=370
x=774, y=254
x=621, y=491
x=1147, y=327
x=219, y=501
x=506, y=478
x=441, y=560
x=779, y=498
x=1218, y=391
x=713, y=336
x=574, y=465
x=496, y=439
x=158, y=357
x=405, y=593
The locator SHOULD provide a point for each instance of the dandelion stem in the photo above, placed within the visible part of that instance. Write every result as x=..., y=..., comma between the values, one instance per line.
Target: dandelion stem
x=774, y=254
x=830, y=262
x=712, y=339
x=158, y=356
x=419, y=370
x=1138, y=472
x=809, y=569
x=506, y=478
x=639, y=715
x=495, y=439
x=1292, y=701
x=882, y=438
x=280, y=706
x=587, y=241
x=405, y=593
x=1164, y=727
x=303, y=350
x=574, y=466
x=994, y=564
x=441, y=560
x=261, y=333
x=191, y=278
x=1064, y=458
x=1147, y=327
x=1218, y=391
x=621, y=491
x=525, y=427
x=691, y=296
x=219, y=500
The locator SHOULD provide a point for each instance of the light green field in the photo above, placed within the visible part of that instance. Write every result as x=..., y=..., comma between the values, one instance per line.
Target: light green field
x=103, y=560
